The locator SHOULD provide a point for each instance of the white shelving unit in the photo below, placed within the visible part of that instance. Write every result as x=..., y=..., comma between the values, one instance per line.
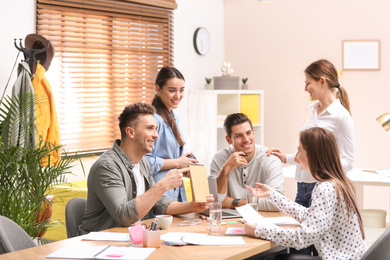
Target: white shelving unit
x=207, y=111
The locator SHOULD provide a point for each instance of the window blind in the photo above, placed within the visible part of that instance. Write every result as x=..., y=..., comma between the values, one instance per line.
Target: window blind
x=107, y=55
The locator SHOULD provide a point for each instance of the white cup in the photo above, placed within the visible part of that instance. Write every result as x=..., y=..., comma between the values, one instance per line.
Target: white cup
x=252, y=201
x=215, y=218
x=164, y=221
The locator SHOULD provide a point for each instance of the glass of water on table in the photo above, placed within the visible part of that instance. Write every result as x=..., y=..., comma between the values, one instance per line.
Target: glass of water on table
x=215, y=218
x=252, y=201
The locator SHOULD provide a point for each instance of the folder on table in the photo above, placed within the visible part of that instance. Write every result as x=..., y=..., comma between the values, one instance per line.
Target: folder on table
x=199, y=182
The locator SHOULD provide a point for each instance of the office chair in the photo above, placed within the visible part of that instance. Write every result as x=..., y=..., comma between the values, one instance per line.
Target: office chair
x=296, y=257
x=74, y=213
x=13, y=237
x=380, y=249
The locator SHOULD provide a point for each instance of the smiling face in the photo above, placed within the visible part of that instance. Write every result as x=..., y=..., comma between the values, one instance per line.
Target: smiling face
x=242, y=138
x=145, y=133
x=171, y=93
x=301, y=158
x=314, y=87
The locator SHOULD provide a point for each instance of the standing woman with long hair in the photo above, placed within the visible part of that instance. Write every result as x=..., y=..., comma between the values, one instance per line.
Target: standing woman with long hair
x=332, y=112
x=168, y=148
x=333, y=222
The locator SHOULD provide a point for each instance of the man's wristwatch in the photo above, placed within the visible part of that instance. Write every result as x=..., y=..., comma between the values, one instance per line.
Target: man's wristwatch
x=235, y=202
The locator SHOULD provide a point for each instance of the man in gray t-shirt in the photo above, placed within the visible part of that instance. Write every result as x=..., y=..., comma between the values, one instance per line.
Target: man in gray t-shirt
x=244, y=163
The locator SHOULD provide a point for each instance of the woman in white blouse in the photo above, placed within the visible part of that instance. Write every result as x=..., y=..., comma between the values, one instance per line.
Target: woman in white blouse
x=331, y=111
x=333, y=222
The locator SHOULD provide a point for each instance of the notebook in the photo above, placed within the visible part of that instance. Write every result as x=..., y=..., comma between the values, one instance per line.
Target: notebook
x=199, y=187
x=226, y=213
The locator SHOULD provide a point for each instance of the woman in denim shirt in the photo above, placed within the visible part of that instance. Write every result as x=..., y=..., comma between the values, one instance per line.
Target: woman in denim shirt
x=168, y=148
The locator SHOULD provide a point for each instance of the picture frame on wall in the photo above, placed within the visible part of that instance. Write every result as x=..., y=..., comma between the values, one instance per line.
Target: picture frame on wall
x=361, y=54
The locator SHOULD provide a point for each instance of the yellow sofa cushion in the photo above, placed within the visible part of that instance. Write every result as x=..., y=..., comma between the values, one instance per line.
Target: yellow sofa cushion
x=187, y=187
x=67, y=191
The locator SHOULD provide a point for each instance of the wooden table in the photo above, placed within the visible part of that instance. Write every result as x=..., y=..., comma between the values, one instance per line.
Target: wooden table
x=358, y=176
x=253, y=246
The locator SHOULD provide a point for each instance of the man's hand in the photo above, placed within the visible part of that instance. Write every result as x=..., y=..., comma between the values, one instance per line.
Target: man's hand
x=200, y=206
x=173, y=178
x=236, y=159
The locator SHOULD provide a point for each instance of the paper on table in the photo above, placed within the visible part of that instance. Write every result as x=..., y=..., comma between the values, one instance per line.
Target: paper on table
x=252, y=216
x=101, y=252
x=182, y=238
x=107, y=236
x=76, y=251
x=116, y=252
x=385, y=173
x=235, y=231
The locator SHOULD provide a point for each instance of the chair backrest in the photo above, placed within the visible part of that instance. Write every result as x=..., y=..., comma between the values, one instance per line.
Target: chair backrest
x=74, y=213
x=13, y=237
x=380, y=249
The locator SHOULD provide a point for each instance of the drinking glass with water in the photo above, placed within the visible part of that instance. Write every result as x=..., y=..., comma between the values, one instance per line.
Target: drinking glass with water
x=252, y=201
x=215, y=218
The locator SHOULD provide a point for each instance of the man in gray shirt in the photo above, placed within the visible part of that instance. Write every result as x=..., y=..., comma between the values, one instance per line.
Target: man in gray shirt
x=121, y=189
x=244, y=163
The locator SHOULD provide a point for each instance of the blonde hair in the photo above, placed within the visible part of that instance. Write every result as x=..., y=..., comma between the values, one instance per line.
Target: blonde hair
x=324, y=68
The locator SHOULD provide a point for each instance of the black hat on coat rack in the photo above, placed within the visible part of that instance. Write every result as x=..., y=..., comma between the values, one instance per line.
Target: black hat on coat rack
x=37, y=48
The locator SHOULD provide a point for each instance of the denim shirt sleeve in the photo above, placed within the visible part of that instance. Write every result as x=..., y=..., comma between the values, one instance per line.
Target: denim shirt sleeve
x=156, y=163
x=165, y=146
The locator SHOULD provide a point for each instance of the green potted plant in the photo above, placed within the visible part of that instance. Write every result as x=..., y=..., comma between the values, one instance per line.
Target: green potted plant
x=208, y=84
x=244, y=85
x=25, y=180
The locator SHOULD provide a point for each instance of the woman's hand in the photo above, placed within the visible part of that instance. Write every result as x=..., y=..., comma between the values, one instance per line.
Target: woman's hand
x=264, y=191
x=250, y=229
x=183, y=161
x=275, y=151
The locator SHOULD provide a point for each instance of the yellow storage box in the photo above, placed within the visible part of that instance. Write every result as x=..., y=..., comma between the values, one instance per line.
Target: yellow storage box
x=66, y=191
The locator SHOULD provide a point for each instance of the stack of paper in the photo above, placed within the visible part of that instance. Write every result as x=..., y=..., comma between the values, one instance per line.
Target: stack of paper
x=107, y=236
x=183, y=238
x=235, y=231
x=101, y=252
x=252, y=216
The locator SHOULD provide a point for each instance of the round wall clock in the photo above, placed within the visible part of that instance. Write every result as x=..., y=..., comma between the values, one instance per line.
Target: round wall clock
x=201, y=41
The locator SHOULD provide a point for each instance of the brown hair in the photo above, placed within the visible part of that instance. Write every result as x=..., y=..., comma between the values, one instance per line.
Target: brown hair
x=324, y=68
x=325, y=165
x=130, y=114
x=165, y=74
x=235, y=119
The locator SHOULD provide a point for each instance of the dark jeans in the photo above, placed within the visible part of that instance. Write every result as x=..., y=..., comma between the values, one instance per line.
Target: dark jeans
x=304, y=198
x=304, y=191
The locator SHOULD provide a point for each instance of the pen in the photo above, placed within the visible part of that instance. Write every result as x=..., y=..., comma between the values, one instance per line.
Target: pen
x=153, y=225
x=101, y=251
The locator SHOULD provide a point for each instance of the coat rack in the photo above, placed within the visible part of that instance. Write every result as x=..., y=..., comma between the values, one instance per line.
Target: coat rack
x=29, y=54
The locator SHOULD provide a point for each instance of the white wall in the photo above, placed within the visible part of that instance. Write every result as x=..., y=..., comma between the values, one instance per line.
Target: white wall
x=272, y=43
x=188, y=16
x=17, y=19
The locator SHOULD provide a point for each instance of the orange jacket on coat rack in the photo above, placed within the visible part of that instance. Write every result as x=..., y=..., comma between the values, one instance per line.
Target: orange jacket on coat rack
x=45, y=111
